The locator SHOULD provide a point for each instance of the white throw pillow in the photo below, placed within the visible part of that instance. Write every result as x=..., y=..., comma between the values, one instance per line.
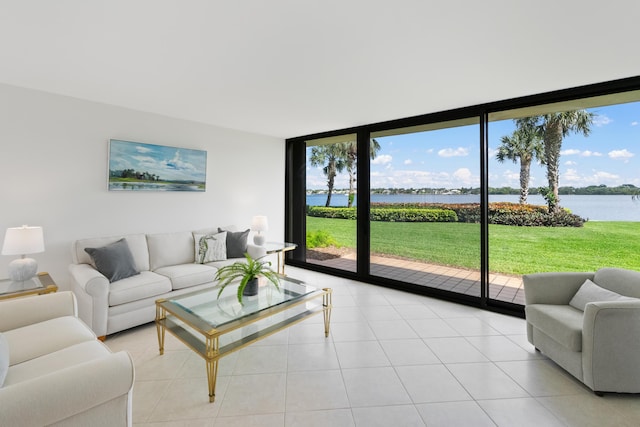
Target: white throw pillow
x=4, y=358
x=590, y=292
x=210, y=247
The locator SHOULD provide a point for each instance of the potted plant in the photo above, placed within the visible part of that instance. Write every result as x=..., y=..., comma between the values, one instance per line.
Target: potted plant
x=248, y=273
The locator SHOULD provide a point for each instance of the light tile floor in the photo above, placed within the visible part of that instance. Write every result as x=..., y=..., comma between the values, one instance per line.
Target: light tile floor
x=392, y=359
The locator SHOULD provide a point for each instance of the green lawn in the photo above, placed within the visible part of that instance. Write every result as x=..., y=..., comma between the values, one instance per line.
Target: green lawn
x=514, y=250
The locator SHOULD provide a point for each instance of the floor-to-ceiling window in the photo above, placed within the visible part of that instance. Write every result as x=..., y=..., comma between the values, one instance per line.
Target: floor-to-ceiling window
x=464, y=203
x=563, y=180
x=331, y=199
x=425, y=205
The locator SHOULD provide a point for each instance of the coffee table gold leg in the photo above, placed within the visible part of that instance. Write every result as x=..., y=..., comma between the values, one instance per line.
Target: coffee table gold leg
x=212, y=366
x=161, y=316
x=327, y=304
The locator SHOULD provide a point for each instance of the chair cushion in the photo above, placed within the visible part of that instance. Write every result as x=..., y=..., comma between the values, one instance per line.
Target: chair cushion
x=144, y=285
x=186, y=275
x=114, y=260
x=38, y=339
x=236, y=243
x=619, y=280
x=210, y=247
x=4, y=358
x=562, y=323
x=57, y=360
x=590, y=292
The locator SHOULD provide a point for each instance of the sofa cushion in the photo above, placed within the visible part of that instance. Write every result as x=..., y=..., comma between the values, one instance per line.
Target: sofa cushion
x=137, y=245
x=562, y=323
x=38, y=339
x=186, y=275
x=210, y=247
x=590, y=292
x=4, y=358
x=114, y=260
x=170, y=249
x=64, y=358
x=144, y=285
x=619, y=280
x=236, y=243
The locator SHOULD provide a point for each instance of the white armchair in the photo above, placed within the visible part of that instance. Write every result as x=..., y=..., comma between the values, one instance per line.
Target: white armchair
x=58, y=372
x=600, y=345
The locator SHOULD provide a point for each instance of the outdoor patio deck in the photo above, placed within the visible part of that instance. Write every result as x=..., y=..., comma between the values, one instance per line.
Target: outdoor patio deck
x=501, y=287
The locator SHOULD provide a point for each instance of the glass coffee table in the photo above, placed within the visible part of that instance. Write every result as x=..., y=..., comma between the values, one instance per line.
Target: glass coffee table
x=200, y=320
x=42, y=283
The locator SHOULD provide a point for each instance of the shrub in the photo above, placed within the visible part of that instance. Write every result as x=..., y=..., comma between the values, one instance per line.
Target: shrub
x=413, y=215
x=320, y=239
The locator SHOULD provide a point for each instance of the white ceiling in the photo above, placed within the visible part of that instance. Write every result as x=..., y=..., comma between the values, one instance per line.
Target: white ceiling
x=294, y=67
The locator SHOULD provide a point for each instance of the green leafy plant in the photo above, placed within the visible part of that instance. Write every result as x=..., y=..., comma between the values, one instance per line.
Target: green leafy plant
x=245, y=272
x=320, y=239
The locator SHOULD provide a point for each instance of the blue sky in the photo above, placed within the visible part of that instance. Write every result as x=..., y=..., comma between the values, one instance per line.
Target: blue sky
x=449, y=158
x=170, y=163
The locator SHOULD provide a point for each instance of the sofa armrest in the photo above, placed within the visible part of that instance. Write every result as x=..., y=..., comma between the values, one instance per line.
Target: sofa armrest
x=552, y=288
x=92, y=291
x=69, y=392
x=19, y=312
x=611, y=346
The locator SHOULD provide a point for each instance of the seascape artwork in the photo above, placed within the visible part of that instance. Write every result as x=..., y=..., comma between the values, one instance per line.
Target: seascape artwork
x=135, y=166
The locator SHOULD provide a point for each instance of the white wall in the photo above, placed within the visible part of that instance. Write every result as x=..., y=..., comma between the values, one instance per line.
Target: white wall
x=53, y=170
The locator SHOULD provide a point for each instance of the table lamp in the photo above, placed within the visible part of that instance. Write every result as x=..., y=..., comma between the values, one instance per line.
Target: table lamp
x=22, y=241
x=259, y=223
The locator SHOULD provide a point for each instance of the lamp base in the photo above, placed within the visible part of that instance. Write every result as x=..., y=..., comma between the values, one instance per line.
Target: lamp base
x=259, y=239
x=22, y=269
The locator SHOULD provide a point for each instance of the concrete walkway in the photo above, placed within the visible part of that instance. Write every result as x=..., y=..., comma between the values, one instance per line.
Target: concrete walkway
x=501, y=287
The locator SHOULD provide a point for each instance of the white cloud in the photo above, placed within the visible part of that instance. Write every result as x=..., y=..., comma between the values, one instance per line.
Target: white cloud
x=570, y=163
x=450, y=152
x=601, y=120
x=430, y=150
x=588, y=153
x=621, y=154
x=381, y=160
x=570, y=152
x=408, y=162
x=574, y=178
x=634, y=123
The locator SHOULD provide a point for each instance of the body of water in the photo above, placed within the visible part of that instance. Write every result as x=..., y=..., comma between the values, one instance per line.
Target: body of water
x=593, y=208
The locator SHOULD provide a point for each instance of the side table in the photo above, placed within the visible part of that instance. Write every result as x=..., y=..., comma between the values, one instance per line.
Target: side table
x=42, y=283
x=280, y=249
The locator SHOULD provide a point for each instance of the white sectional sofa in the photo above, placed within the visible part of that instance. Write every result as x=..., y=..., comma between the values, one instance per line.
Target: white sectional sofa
x=57, y=372
x=167, y=266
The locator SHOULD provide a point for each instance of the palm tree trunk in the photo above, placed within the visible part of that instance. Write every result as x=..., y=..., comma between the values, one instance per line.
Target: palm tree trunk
x=525, y=171
x=552, y=144
x=331, y=174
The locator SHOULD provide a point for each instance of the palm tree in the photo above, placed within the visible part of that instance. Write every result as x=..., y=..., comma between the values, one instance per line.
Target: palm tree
x=331, y=158
x=525, y=144
x=554, y=127
x=351, y=163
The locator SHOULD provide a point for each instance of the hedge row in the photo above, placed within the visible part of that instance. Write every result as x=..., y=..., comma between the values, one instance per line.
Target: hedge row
x=387, y=214
x=503, y=213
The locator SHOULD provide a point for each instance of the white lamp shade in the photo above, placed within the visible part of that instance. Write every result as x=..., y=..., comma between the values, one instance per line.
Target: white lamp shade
x=23, y=240
x=259, y=223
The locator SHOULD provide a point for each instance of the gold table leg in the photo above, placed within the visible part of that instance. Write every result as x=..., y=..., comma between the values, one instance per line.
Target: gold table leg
x=212, y=366
x=327, y=304
x=161, y=316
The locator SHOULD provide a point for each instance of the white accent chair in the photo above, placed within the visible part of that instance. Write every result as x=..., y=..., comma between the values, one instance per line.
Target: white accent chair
x=592, y=330
x=58, y=372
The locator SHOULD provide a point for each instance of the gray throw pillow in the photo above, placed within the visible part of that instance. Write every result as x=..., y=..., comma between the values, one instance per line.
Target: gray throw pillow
x=115, y=260
x=4, y=358
x=236, y=243
x=590, y=292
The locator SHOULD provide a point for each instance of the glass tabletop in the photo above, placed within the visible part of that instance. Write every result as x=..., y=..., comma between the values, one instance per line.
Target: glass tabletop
x=273, y=247
x=8, y=286
x=216, y=312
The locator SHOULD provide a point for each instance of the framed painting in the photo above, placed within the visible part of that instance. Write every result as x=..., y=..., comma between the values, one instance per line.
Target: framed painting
x=134, y=166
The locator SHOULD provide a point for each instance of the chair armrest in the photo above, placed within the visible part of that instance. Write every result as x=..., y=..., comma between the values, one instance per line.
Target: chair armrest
x=19, y=312
x=611, y=346
x=67, y=392
x=552, y=288
x=90, y=280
